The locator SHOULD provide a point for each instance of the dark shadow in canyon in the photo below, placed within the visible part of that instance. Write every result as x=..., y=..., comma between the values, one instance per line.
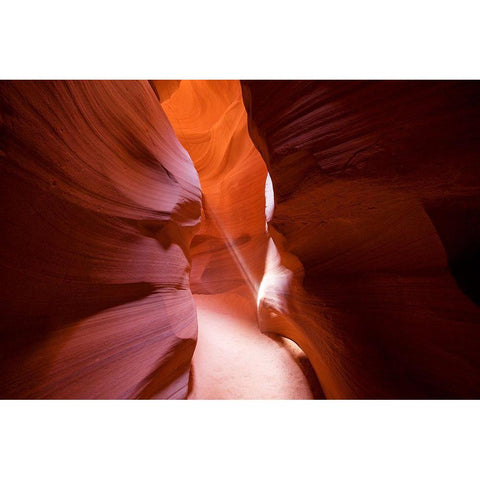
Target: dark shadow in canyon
x=302, y=361
x=457, y=221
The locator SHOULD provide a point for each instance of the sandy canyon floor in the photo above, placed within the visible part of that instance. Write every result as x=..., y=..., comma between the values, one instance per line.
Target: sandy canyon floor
x=234, y=360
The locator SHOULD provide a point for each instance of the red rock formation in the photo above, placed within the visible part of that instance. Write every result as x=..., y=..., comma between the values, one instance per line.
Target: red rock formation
x=232, y=359
x=210, y=121
x=369, y=261
x=373, y=267
x=99, y=204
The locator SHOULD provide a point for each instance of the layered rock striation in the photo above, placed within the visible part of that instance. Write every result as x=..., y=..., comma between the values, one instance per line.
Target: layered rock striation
x=99, y=205
x=373, y=266
x=228, y=251
x=360, y=243
x=233, y=359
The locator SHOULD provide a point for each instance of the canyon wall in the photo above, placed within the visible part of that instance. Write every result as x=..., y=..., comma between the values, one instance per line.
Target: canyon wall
x=99, y=205
x=374, y=261
x=233, y=359
x=369, y=262
x=228, y=251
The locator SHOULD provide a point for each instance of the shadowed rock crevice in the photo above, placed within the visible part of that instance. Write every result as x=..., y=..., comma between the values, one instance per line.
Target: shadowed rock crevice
x=457, y=221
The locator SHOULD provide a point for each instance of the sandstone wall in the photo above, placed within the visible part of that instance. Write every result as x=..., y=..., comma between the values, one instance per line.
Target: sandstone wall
x=99, y=205
x=374, y=271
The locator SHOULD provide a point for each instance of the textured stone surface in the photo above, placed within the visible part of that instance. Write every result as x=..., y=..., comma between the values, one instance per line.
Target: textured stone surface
x=369, y=262
x=99, y=205
x=233, y=360
x=373, y=268
x=210, y=121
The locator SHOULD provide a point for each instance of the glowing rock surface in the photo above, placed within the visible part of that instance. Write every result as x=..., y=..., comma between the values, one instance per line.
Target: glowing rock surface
x=360, y=243
x=210, y=121
x=233, y=359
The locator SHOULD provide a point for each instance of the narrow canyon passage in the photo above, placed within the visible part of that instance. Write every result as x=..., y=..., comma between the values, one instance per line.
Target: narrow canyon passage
x=232, y=359
x=149, y=226
x=156, y=211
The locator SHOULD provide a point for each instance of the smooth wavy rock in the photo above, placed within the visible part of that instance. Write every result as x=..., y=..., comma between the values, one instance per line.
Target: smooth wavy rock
x=233, y=359
x=99, y=205
x=210, y=121
x=373, y=265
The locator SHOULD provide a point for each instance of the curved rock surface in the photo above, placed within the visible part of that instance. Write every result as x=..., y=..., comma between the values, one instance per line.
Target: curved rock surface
x=99, y=205
x=373, y=265
x=369, y=259
x=210, y=121
x=233, y=359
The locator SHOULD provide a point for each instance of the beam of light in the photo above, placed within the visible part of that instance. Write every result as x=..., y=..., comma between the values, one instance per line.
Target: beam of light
x=233, y=250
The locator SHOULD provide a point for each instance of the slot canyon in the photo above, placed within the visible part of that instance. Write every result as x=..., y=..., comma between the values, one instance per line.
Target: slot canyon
x=253, y=239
